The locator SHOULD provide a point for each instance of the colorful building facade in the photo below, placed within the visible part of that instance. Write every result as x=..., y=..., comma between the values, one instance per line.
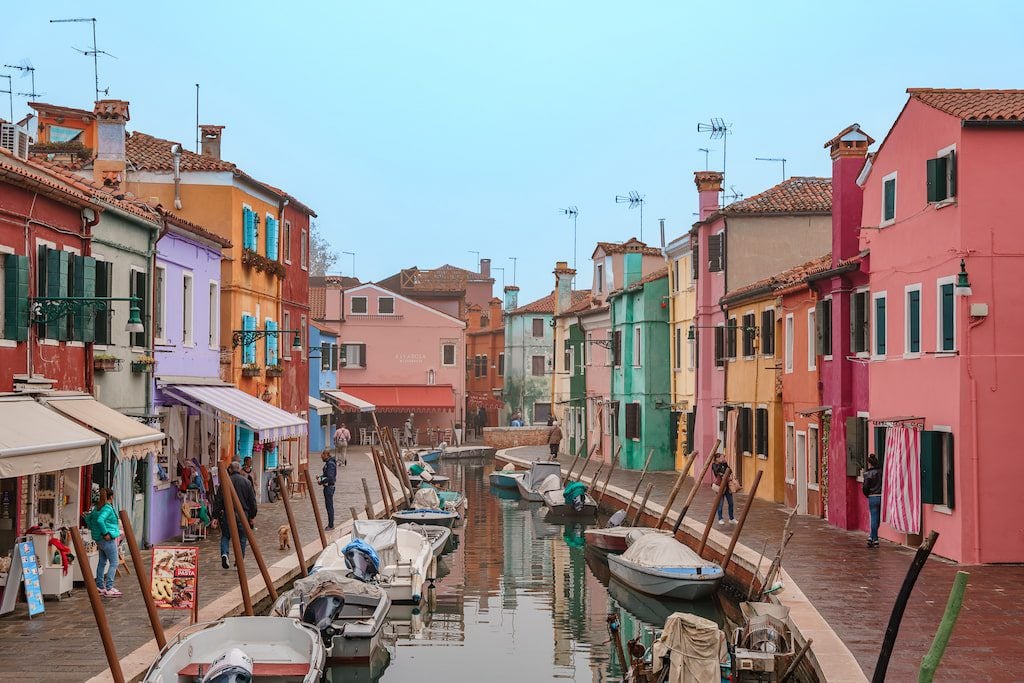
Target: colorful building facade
x=683, y=345
x=485, y=362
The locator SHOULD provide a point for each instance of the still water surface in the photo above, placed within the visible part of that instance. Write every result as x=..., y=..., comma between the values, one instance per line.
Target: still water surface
x=520, y=600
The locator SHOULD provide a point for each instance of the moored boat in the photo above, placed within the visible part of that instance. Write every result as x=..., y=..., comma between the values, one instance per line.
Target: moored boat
x=660, y=565
x=542, y=475
x=615, y=539
x=280, y=649
x=506, y=477
x=437, y=536
x=573, y=501
x=428, y=516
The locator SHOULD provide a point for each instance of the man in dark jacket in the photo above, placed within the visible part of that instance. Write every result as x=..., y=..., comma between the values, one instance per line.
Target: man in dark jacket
x=247, y=497
x=328, y=479
x=872, y=488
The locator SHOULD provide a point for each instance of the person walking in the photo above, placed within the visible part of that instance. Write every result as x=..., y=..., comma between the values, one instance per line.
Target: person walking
x=246, y=495
x=481, y=422
x=247, y=470
x=872, y=488
x=407, y=433
x=102, y=523
x=328, y=479
x=342, y=437
x=554, y=439
x=719, y=467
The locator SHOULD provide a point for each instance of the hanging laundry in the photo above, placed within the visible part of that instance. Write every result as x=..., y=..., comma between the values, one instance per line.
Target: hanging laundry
x=901, y=479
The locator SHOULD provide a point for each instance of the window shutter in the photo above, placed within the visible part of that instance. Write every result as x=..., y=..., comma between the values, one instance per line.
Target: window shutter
x=362, y=355
x=819, y=323
x=719, y=346
x=249, y=349
x=84, y=285
x=931, y=467
x=272, y=344
x=247, y=227
x=951, y=176
x=57, y=286
x=889, y=197
x=715, y=252
x=244, y=439
x=854, y=447
x=880, y=434
x=950, y=480
x=101, y=318
x=616, y=347
x=272, y=238
x=138, y=339
x=15, y=297
x=691, y=422
x=936, y=179
x=768, y=333
x=880, y=322
x=695, y=263
x=948, y=309
x=731, y=339
x=343, y=355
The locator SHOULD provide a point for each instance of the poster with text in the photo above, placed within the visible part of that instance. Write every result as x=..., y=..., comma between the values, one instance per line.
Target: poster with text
x=175, y=577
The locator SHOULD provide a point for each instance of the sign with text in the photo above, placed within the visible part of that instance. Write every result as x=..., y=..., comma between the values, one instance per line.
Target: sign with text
x=24, y=568
x=174, y=580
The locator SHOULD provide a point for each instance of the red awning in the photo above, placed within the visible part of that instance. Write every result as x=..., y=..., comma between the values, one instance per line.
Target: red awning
x=405, y=398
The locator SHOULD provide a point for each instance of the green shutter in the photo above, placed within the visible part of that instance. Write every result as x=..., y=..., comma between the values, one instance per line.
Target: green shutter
x=880, y=434
x=950, y=479
x=889, y=199
x=880, y=325
x=84, y=285
x=931, y=467
x=854, y=447
x=15, y=297
x=951, y=175
x=57, y=263
x=948, y=310
x=914, y=323
x=691, y=423
x=936, y=175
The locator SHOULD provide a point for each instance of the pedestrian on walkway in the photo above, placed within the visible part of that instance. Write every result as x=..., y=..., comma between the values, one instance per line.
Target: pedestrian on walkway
x=872, y=488
x=247, y=470
x=408, y=431
x=719, y=467
x=481, y=422
x=328, y=479
x=554, y=439
x=246, y=495
x=342, y=437
x=102, y=523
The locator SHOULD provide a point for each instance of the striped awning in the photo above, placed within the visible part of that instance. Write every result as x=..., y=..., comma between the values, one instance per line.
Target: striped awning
x=269, y=422
x=35, y=439
x=349, y=403
x=134, y=439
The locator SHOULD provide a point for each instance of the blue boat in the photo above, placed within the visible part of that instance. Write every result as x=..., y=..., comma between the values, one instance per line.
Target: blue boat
x=429, y=456
x=504, y=479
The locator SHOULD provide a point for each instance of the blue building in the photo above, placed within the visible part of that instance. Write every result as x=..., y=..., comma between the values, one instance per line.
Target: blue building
x=322, y=422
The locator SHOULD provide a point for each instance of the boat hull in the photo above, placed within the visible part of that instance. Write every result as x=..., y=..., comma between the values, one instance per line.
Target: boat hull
x=557, y=507
x=428, y=517
x=505, y=480
x=430, y=456
x=664, y=582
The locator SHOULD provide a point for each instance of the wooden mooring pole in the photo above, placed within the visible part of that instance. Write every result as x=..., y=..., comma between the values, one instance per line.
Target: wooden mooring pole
x=695, y=490
x=227, y=492
x=714, y=508
x=741, y=521
x=106, y=637
x=369, y=501
x=650, y=454
x=141, y=575
x=296, y=541
x=247, y=529
x=675, y=489
x=316, y=508
x=604, y=489
x=643, y=506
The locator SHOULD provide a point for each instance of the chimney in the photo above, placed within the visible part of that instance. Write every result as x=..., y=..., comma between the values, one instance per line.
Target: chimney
x=848, y=150
x=109, y=166
x=495, y=313
x=210, y=136
x=563, y=286
x=485, y=267
x=511, y=298
x=709, y=184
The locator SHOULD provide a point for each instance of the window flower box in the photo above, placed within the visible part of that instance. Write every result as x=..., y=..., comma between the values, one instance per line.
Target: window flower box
x=106, y=363
x=251, y=370
x=274, y=371
x=261, y=263
x=143, y=364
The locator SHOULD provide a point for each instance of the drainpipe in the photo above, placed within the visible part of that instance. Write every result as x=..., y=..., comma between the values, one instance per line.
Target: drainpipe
x=155, y=232
x=87, y=225
x=176, y=153
x=280, y=307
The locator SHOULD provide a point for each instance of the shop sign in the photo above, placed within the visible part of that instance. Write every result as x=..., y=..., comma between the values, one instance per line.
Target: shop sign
x=25, y=567
x=174, y=580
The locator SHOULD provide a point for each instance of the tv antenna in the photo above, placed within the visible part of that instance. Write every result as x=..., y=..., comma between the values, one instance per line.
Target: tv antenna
x=707, y=152
x=634, y=199
x=733, y=194
x=477, y=258
x=10, y=93
x=717, y=129
x=95, y=52
x=573, y=213
x=26, y=69
x=513, y=259
x=775, y=159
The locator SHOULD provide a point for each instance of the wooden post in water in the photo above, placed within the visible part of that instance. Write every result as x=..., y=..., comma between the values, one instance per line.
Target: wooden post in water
x=604, y=489
x=141, y=574
x=931, y=660
x=742, y=520
x=369, y=501
x=613, y=630
x=893, y=629
x=695, y=489
x=643, y=506
x=579, y=452
x=586, y=461
x=596, y=477
x=650, y=454
x=799, y=657
x=316, y=508
x=97, y=607
x=714, y=508
x=675, y=489
x=227, y=491
x=294, y=527
x=381, y=481
x=247, y=529
x=352, y=511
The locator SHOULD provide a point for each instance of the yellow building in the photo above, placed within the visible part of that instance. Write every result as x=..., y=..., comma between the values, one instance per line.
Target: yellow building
x=683, y=305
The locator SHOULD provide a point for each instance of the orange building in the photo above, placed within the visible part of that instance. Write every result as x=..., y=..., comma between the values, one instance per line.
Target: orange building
x=485, y=361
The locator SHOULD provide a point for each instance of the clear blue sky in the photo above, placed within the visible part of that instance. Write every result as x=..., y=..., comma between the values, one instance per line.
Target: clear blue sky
x=422, y=130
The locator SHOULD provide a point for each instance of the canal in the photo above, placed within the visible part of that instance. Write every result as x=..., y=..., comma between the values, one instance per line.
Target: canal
x=519, y=599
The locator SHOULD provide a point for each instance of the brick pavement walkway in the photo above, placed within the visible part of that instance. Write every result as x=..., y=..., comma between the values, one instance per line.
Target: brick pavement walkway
x=854, y=588
x=64, y=645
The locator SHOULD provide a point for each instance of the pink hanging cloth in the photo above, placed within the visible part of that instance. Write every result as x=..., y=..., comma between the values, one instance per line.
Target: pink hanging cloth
x=901, y=479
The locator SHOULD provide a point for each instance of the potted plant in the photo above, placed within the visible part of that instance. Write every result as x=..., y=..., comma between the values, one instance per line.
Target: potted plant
x=106, y=362
x=251, y=370
x=143, y=363
x=274, y=371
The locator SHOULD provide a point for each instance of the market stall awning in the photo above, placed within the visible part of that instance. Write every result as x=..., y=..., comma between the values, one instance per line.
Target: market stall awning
x=350, y=403
x=133, y=440
x=321, y=407
x=269, y=422
x=405, y=398
x=35, y=439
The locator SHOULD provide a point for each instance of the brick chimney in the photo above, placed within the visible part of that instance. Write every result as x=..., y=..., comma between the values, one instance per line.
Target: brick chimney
x=848, y=150
x=709, y=184
x=563, y=286
x=511, y=298
x=210, y=137
x=109, y=166
x=495, y=313
x=485, y=267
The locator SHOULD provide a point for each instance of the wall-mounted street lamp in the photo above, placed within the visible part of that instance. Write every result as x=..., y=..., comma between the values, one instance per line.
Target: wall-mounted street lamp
x=46, y=309
x=246, y=337
x=963, y=285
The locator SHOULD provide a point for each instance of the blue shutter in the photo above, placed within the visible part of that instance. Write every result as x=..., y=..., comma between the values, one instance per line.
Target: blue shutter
x=270, y=458
x=243, y=442
x=249, y=349
x=272, y=238
x=248, y=228
x=271, y=349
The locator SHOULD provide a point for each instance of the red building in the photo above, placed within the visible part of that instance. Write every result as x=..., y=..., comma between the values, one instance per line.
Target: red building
x=485, y=361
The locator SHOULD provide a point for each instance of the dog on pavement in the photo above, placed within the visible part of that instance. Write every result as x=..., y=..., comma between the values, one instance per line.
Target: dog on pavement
x=283, y=537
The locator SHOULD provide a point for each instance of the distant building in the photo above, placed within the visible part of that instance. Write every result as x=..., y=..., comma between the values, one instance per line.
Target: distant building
x=485, y=362
x=325, y=361
x=448, y=288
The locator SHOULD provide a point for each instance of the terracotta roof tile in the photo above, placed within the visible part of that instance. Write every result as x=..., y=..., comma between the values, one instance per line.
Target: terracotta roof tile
x=650, y=277
x=630, y=245
x=43, y=107
x=148, y=153
x=799, y=194
x=547, y=304
x=23, y=173
x=973, y=105
x=318, y=302
x=585, y=303
x=195, y=229
x=783, y=280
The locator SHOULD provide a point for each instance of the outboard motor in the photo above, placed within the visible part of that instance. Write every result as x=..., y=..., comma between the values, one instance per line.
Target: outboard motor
x=616, y=519
x=234, y=666
x=324, y=606
x=362, y=560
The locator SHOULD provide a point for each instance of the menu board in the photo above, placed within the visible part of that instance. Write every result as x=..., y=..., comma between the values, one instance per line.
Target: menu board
x=24, y=567
x=174, y=580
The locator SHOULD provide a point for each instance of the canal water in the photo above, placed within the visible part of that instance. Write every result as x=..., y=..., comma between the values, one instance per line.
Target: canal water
x=519, y=599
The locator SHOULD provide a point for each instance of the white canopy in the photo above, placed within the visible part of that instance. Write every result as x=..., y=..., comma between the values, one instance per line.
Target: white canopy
x=134, y=439
x=320, y=407
x=35, y=439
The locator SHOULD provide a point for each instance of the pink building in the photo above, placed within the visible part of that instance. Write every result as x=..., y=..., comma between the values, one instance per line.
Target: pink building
x=941, y=208
x=400, y=355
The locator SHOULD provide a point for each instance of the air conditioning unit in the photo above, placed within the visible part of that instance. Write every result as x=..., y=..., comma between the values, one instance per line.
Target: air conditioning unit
x=16, y=139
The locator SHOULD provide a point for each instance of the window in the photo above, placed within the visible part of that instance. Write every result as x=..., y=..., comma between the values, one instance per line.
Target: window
x=287, y=242
x=541, y=412
x=448, y=354
x=716, y=252
x=768, y=332
x=537, y=366
x=722, y=435
x=431, y=377
x=304, y=249
x=599, y=276
x=947, y=316
x=14, y=297
x=270, y=344
x=694, y=264
x=790, y=453
x=538, y=327
x=812, y=350
x=566, y=356
x=860, y=326
x=485, y=321
x=719, y=346
x=813, y=464
x=730, y=338
x=303, y=335
x=745, y=430
x=675, y=275
x=633, y=421
x=214, y=313
x=287, y=324
x=941, y=173
x=789, y=342
x=104, y=287
x=353, y=356
x=138, y=289
x=328, y=357
x=386, y=305
x=937, y=482
x=889, y=199
x=617, y=348
x=358, y=305
x=501, y=365
x=691, y=345
x=249, y=228
x=823, y=323
x=484, y=368
x=912, y=331
x=749, y=333
x=678, y=349
x=637, y=333
x=248, y=347
x=761, y=427
x=187, y=294
x=160, y=304
x=881, y=324
x=856, y=445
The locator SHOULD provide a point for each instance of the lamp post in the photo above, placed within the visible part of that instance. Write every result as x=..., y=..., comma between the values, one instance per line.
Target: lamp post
x=246, y=337
x=46, y=309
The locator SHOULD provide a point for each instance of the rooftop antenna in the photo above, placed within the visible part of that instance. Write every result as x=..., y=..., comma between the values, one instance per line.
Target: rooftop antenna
x=734, y=195
x=26, y=69
x=573, y=213
x=353, y=255
x=477, y=258
x=513, y=259
x=95, y=52
x=502, y=275
x=707, y=152
x=775, y=159
x=198, y=151
x=717, y=129
x=634, y=199
x=10, y=93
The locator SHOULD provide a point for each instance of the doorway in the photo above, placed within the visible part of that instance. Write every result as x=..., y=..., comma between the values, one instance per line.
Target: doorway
x=801, y=473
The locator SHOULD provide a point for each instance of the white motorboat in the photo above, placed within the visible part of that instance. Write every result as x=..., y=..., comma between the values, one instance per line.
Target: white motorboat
x=543, y=475
x=437, y=535
x=557, y=506
x=660, y=565
x=278, y=649
x=405, y=558
x=348, y=612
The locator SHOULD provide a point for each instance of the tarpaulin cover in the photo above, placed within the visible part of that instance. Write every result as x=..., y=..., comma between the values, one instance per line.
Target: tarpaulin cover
x=380, y=533
x=303, y=587
x=539, y=472
x=655, y=550
x=574, y=491
x=426, y=498
x=552, y=482
x=694, y=646
x=365, y=548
